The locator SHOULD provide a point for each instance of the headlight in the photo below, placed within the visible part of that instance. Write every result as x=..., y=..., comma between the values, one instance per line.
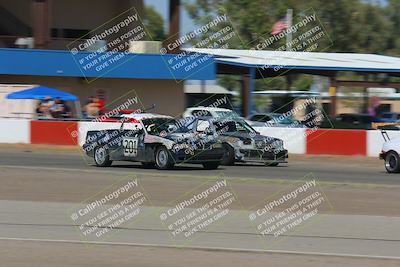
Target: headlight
x=217, y=145
x=247, y=142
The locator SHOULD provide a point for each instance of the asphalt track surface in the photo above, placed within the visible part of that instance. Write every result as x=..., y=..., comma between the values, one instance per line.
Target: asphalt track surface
x=348, y=170
x=26, y=223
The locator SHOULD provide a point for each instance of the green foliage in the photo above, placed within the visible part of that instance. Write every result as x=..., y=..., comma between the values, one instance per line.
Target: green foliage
x=354, y=26
x=154, y=24
x=358, y=26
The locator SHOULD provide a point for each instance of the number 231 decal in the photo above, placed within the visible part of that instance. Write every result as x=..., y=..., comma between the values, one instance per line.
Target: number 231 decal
x=130, y=147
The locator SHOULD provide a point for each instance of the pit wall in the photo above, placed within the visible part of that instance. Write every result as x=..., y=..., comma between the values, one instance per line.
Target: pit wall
x=297, y=141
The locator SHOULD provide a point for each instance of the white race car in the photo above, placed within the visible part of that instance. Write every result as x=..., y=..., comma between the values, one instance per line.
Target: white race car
x=390, y=153
x=156, y=140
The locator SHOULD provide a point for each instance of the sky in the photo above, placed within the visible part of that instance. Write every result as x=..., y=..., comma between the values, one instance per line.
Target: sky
x=161, y=7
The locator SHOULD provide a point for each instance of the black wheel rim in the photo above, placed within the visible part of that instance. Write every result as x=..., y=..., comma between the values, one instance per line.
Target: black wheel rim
x=392, y=161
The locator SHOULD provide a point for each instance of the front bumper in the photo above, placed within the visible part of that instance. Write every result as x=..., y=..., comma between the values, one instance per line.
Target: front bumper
x=198, y=156
x=253, y=155
x=382, y=155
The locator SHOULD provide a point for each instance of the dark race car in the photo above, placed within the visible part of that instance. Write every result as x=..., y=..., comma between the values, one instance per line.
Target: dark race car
x=242, y=143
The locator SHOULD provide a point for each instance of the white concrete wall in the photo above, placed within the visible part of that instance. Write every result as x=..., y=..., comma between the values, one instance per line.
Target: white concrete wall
x=294, y=139
x=14, y=131
x=375, y=141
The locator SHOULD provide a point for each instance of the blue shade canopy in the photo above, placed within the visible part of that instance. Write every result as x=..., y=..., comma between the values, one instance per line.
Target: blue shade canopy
x=40, y=93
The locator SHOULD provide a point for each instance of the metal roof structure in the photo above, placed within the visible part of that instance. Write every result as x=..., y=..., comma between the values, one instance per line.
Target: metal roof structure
x=59, y=63
x=207, y=89
x=274, y=62
x=259, y=64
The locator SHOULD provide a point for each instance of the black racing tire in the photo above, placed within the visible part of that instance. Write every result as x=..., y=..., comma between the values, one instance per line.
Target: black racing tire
x=101, y=157
x=148, y=165
x=211, y=165
x=229, y=155
x=392, y=162
x=163, y=159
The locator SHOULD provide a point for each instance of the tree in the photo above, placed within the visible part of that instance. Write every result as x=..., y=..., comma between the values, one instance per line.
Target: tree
x=154, y=24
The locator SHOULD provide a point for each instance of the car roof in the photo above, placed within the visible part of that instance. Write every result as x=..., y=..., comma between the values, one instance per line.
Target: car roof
x=142, y=116
x=210, y=108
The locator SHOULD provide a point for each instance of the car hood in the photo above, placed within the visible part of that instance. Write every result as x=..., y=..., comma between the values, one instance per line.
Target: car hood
x=255, y=137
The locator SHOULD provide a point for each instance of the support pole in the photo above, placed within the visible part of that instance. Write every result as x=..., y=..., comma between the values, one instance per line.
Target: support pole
x=365, y=97
x=41, y=23
x=248, y=86
x=174, y=24
x=332, y=94
x=289, y=18
x=78, y=108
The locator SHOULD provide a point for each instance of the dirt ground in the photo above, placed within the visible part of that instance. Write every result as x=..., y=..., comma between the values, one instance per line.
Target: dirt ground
x=48, y=254
x=76, y=186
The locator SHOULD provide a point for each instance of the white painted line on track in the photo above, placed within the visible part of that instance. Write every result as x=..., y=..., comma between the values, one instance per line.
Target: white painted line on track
x=222, y=249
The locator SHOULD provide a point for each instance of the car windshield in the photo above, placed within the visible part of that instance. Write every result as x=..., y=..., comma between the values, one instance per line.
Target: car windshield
x=233, y=126
x=157, y=126
x=226, y=114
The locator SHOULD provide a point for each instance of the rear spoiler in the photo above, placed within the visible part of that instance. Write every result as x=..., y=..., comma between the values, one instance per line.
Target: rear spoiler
x=379, y=125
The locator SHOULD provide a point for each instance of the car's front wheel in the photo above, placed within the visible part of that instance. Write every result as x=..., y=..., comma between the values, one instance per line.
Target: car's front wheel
x=229, y=155
x=392, y=162
x=102, y=157
x=163, y=160
x=211, y=165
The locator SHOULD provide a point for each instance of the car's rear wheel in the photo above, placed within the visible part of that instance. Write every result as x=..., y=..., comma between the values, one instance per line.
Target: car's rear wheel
x=102, y=157
x=392, y=162
x=211, y=165
x=229, y=155
x=163, y=160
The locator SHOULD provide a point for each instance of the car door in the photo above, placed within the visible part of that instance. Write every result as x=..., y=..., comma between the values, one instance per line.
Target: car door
x=133, y=145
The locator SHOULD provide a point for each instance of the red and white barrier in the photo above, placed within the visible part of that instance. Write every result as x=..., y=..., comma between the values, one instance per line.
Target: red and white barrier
x=15, y=131
x=296, y=140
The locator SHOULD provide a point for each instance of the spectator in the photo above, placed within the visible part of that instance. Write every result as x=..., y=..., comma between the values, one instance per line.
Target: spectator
x=44, y=106
x=101, y=105
x=67, y=110
x=91, y=108
x=58, y=109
